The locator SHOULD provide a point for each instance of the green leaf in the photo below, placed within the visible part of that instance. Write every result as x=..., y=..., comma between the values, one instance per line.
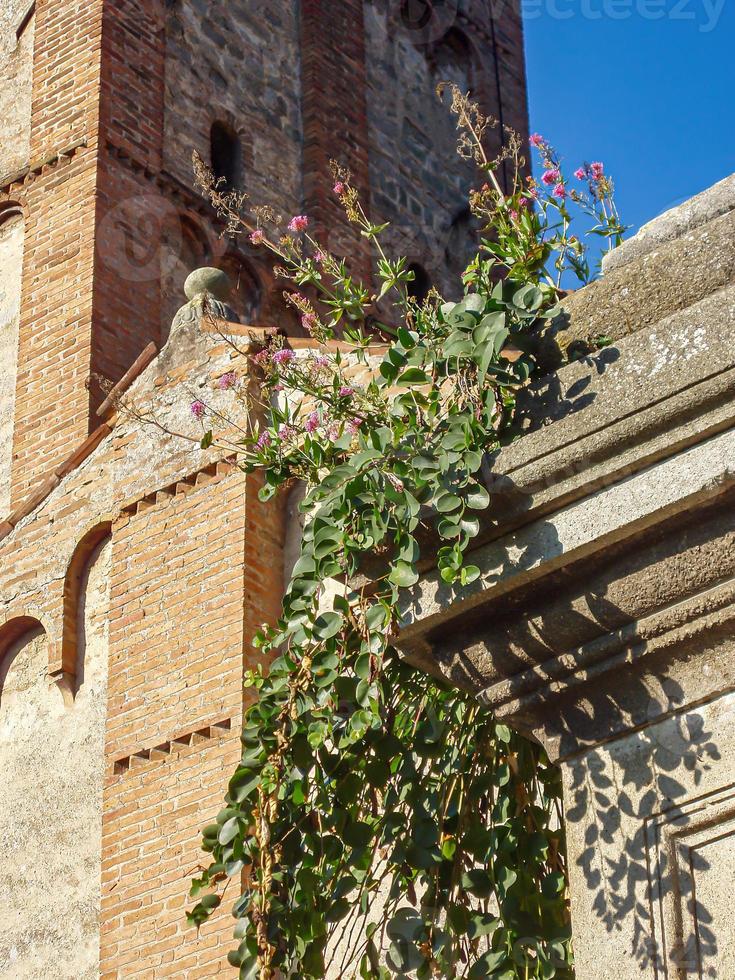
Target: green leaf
x=478, y=882
x=446, y=502
x=488, y=965
x=229, y=830
x=469, y=574
x=404, y=957
x=403, y=575
x=482, y=925
x=328, y=625
x=553, y=885
x=478, y=498
x=413, y=376
x=358, y=835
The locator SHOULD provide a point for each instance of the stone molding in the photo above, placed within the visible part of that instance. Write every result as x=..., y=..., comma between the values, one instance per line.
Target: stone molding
x=603, y=621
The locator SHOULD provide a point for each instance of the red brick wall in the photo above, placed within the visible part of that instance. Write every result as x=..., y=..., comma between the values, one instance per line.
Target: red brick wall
x=176, y=614
x=56, y=311
x=131, y=212
x=91, y=277
x=152, y=827
x=193, y=573
x=334, y=114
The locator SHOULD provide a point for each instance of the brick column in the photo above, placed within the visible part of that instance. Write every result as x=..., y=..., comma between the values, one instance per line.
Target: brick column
x=97, y=82
x=334, y=110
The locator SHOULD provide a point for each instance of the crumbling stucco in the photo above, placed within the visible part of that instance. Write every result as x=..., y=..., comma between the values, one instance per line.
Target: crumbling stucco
x=16, y=69
x=11, y=263
x=50, y=807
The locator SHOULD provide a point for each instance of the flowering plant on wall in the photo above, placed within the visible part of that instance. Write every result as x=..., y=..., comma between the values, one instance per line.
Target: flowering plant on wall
x=382, y=822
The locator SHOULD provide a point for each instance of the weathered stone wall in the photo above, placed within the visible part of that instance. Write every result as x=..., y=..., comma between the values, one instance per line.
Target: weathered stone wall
x=602, y=623
x=11, y=268
x=658, y=862
x=16, y=70
x=51, y=756
x=417, y=180
x=237, y=63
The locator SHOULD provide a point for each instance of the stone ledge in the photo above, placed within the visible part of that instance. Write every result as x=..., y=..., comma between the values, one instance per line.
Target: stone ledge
x=672, y=224
x=602, y=419
x=584, y=528
x=647, y=289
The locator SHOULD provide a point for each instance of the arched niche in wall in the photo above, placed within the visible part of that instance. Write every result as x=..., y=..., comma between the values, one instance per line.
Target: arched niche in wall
x=461, y=243
x=452, y=59
x=186, y=246
x=247, y=291
x=226, y=154
x=14, y=635
x=11, y=275
x=85, y=609
x=52, y=761
x=420, y=285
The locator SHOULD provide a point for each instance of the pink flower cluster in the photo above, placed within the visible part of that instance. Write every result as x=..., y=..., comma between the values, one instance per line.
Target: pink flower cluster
x=298, y=224
x=312, y=423
x=591, y=171
x=227, y=381
x=552, y=176
x=339, y=188
x=309, y=321
x=284, y=356
x=346, y=391
x=320, y=364
x=198, y=409
x=265, y=439
x=257, y=237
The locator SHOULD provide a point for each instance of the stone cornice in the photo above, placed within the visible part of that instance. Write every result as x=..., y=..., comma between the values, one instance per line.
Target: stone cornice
x=607, y=556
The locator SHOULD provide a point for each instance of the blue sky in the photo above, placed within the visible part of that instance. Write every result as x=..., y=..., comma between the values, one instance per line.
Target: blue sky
x=652, y=98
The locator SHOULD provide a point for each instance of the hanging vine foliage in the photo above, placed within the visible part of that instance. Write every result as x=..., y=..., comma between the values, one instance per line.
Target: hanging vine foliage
x=382, y=822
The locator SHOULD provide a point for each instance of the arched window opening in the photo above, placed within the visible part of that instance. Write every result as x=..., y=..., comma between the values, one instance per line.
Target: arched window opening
x=462, y=242
x=247, y=293
x=452, y=60
x=420, y=285
x=226, y=154
x=85, y=606
x=185, y=247
x=416, y=15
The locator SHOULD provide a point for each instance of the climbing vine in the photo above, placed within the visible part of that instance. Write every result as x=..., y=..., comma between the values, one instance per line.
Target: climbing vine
x=381, y=823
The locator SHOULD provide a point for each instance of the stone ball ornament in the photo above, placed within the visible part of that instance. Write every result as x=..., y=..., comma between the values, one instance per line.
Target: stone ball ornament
x=208, y=280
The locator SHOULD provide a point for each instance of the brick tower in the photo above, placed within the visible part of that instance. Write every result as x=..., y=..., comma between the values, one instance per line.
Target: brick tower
x=133, y=565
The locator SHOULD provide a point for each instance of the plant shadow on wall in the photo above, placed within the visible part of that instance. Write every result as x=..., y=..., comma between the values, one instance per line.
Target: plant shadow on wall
x=386, y=825
x=631, y=806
